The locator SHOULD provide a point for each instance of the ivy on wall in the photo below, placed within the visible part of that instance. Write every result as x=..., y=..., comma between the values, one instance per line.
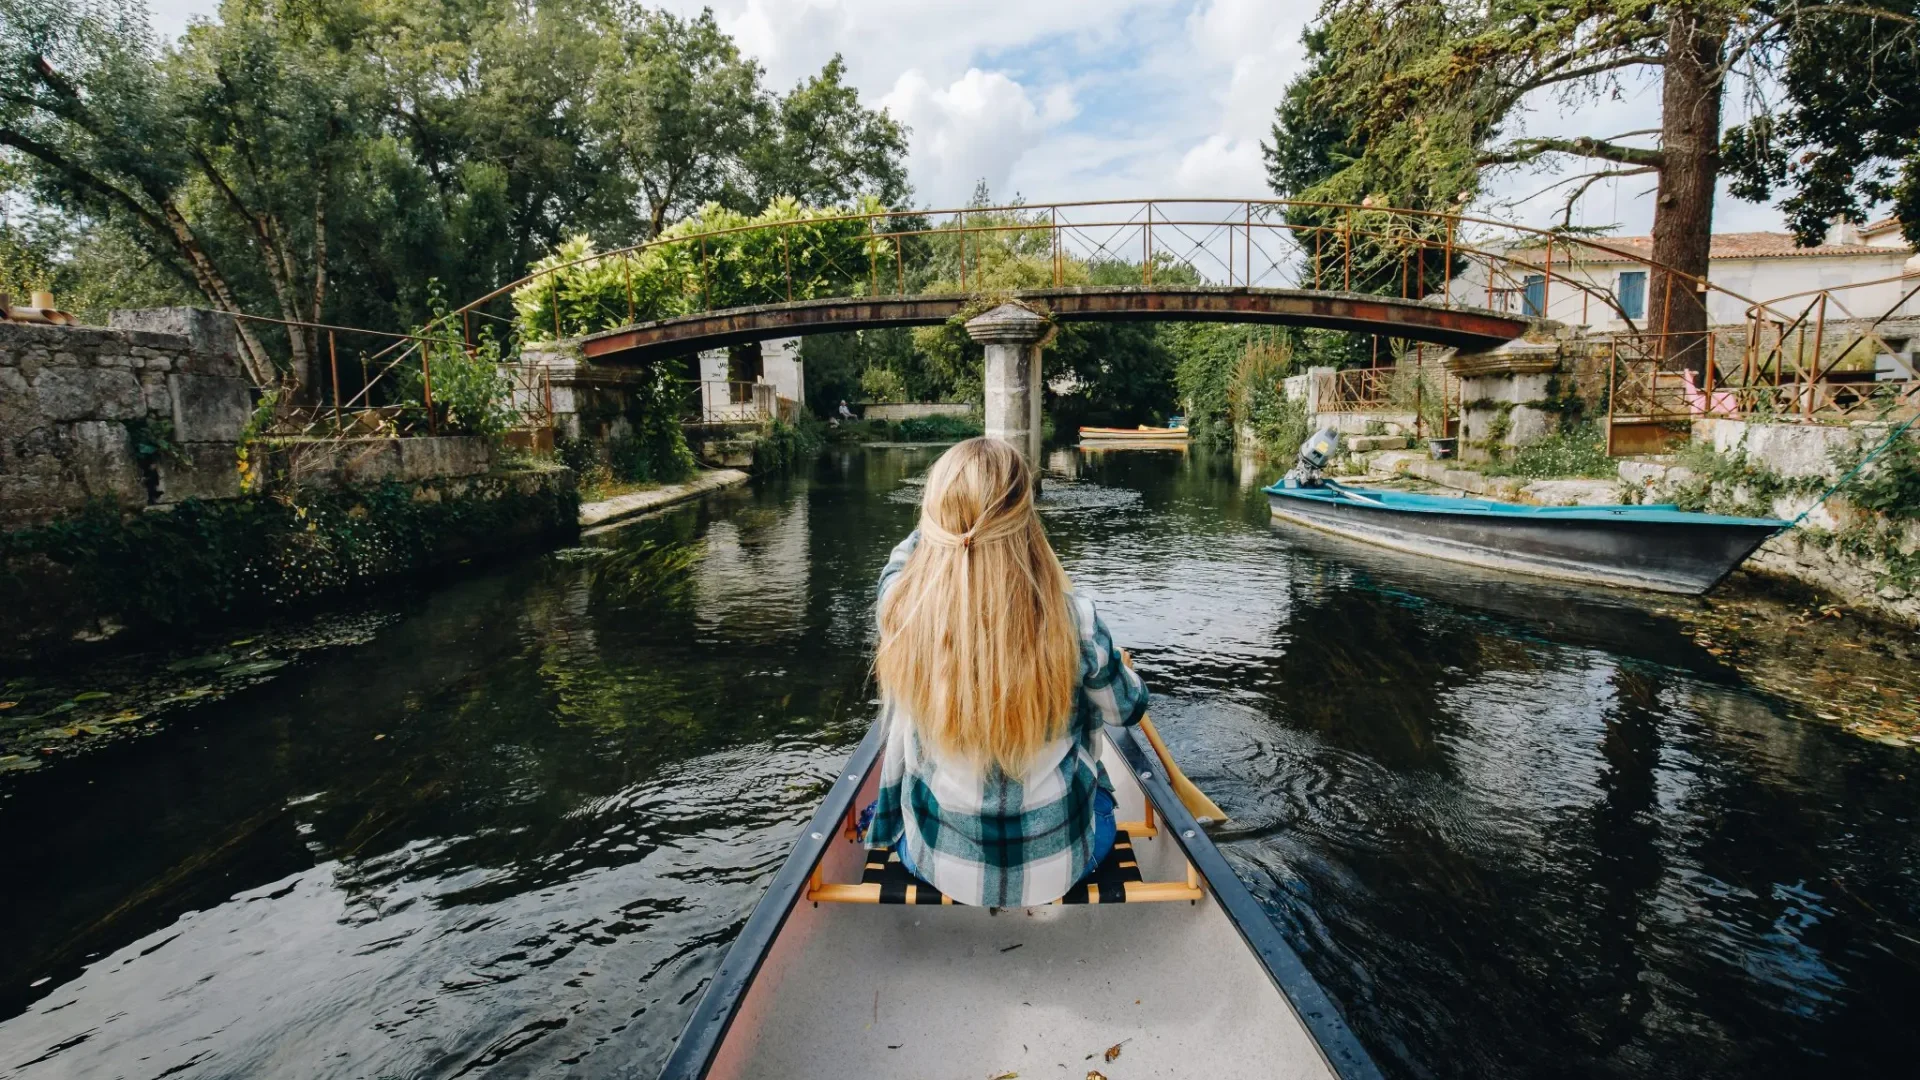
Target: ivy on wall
x=208, y=559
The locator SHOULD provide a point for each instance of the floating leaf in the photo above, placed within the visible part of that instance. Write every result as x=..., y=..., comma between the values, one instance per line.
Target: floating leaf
x=1095, y=1074
x=1113, y=1051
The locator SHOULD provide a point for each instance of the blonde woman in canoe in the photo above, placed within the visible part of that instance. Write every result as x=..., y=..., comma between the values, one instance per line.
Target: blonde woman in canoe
x=995, y=680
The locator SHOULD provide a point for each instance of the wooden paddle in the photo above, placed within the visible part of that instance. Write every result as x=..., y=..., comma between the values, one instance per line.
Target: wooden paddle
x=1191, y=797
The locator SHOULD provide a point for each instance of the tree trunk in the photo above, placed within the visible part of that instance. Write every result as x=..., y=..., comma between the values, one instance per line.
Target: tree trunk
x=1683, y=210
x=253, y=354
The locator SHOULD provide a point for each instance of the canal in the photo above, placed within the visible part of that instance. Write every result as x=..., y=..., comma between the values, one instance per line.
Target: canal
x=1515, y=830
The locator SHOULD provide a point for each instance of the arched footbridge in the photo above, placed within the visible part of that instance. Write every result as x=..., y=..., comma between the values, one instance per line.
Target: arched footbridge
x=1435, y=277
x=1411, y=320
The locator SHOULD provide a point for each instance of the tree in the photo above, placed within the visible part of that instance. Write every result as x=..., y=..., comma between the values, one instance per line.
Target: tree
x=1423, y=95
x=1846, y=139
x=323, y=162
x=820, y=147
x=692, y=125
x=82, y=103
x=682, y=106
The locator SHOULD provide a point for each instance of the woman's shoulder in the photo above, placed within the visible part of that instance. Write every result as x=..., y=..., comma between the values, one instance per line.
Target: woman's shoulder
x=1084, y=615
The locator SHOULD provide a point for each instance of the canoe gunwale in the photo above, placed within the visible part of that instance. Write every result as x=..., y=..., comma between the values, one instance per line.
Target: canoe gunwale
x=1337, y=1044
x=706, y=1030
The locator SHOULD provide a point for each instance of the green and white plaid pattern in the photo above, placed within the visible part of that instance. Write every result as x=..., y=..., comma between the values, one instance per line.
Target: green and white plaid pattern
x=981, y=836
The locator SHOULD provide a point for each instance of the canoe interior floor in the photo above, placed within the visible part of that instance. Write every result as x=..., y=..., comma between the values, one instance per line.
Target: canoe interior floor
x=958, y=992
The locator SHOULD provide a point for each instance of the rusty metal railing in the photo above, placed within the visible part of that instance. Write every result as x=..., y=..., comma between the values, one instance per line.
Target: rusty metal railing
x=1413, y=254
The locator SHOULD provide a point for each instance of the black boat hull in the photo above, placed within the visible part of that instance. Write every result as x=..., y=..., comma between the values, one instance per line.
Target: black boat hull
x=1664, y=556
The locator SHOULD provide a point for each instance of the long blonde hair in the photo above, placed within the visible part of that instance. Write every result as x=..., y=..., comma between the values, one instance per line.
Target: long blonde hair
x=977, y=642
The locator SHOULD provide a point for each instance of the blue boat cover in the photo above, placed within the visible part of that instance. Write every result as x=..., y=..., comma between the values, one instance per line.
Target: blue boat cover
x=1412, y=502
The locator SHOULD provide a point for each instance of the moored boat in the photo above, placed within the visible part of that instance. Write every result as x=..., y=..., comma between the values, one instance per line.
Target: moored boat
x=1657, y=547
x=1157, y=437
x=851, y=967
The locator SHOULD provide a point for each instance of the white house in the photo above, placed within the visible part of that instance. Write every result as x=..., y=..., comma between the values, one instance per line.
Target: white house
x=1593, y=287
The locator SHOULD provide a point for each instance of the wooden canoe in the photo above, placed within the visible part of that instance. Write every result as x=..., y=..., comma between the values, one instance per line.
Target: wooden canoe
x=1661, y=548
x=846, y=968
x=1140, y=436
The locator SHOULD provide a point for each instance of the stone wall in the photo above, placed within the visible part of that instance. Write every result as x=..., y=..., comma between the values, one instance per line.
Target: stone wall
x=100, y=575
x=76, y=403
x=1510, y=396
x=912, y=410
x=1788, y=467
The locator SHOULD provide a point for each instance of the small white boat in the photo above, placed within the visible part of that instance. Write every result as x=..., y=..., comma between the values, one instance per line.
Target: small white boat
x=1158, y=438
x=851, y=968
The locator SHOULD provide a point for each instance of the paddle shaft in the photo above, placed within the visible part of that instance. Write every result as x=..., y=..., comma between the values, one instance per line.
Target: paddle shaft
x=1191, y=797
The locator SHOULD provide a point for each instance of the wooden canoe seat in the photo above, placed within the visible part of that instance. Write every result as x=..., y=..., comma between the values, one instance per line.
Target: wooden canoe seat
x=1115, y=881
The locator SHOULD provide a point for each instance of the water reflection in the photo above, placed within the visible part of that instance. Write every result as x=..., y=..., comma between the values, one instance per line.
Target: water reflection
x=1516, y=829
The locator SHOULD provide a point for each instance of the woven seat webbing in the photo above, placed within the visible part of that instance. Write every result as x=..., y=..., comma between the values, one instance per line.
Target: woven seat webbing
x=1106, y=885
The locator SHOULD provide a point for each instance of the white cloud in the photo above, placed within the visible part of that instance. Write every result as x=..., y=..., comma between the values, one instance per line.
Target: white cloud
x=1221, y=165
x=974, y=128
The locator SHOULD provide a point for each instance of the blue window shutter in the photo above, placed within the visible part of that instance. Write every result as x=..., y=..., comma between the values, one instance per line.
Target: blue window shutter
x=1533, y=302
x=1632, y=292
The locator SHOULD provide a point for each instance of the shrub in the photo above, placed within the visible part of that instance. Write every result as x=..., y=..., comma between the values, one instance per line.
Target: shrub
x=471, y=395
x=783, y=446
x=938, y=429
x=1579, y=451
x=882, y=385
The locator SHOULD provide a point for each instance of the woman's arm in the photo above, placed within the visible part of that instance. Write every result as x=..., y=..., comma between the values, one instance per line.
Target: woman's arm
x=897, y=561
x=1110, y=691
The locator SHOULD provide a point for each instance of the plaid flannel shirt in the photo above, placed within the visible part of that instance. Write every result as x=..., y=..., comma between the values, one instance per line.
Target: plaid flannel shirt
x=981, y=836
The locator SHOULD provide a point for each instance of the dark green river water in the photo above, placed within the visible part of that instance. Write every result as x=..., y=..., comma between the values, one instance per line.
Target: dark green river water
x=1515, y=830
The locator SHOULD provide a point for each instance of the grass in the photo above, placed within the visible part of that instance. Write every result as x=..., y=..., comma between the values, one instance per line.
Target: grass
x=1574, y=452
x=601, y=486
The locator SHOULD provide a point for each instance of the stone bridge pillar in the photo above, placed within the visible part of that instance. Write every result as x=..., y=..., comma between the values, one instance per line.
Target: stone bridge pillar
x=1011, y=394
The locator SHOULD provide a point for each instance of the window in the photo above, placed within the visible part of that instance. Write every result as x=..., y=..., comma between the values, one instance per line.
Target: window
x=1632, y=292
x=1533, y=301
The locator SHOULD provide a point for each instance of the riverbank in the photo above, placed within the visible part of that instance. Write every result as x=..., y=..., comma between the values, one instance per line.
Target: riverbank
x=621, y=507
x=494, y=827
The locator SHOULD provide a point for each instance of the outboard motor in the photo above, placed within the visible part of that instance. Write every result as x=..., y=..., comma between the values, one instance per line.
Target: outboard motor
x=1313, y=457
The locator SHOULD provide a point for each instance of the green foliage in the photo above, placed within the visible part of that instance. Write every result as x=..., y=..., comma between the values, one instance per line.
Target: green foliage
x=716, y=259
x=325, y=161
x=1890, y=484
x=1846, y=139
x=882, y=386
x=471, y=394
x=153, y=441
x=246, y=556
x=266, y=411
x=937, y=429
x=1260, y=400
x=1233, y=375
x=835, y=364
x=1578, y=451
x=785, y=447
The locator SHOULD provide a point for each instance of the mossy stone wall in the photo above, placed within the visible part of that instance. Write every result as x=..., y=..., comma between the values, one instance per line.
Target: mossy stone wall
x=104, y=572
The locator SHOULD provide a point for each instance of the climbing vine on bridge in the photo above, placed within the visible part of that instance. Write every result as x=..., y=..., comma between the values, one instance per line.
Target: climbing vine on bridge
x=712, y=261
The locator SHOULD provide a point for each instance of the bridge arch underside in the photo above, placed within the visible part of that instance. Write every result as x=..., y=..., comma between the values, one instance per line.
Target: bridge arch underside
x=1468, y=329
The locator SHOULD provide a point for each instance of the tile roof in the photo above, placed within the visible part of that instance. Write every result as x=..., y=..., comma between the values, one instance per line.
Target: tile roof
x=1738, y=245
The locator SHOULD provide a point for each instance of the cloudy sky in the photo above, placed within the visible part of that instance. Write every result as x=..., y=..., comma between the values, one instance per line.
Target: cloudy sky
x=1089, y=99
